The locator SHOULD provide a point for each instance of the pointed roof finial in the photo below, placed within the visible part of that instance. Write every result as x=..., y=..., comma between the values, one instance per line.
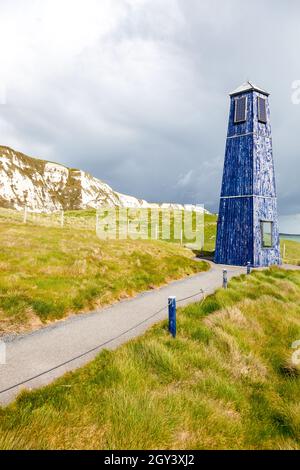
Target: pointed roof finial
x=248, y=86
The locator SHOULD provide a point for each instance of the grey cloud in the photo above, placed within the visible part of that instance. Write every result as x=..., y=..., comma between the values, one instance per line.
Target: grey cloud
x=144, y=105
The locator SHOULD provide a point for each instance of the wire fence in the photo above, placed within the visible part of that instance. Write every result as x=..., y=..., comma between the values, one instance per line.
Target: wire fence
x=181, y=226
x=99, y=346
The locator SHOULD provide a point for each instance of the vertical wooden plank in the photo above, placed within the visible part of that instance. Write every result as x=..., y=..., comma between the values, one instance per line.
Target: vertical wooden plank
x=248, y=192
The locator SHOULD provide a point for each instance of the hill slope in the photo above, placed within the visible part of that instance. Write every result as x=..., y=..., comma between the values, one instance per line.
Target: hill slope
x=47, y=273
x=44, y=186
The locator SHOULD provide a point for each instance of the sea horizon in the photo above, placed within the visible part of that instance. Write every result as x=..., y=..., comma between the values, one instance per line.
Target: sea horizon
x=290, y=236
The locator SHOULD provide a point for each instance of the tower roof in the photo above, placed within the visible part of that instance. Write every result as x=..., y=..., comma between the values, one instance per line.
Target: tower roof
x=248, y=86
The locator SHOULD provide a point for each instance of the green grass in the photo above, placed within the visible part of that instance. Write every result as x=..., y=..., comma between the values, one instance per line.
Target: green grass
x=226, y=381
x=47, y=273
x=86, y=220
x=292, y=251
x=210, y=221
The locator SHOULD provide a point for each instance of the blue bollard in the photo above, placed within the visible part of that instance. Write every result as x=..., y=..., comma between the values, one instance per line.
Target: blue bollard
x=225, y=279
x=248, y=267
x=172, y=315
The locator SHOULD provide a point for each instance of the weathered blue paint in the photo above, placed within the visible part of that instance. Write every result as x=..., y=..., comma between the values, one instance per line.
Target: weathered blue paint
x=248, y=194
x=172, y=315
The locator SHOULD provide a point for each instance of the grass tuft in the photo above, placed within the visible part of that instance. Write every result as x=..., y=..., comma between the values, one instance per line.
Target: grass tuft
x=47, y=273
x=226, y=382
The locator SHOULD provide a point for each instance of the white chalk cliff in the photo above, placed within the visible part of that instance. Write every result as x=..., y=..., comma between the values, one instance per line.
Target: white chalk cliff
x=43, y=186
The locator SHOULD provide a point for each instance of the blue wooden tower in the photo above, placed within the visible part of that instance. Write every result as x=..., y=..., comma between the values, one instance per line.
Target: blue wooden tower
x=248, y=222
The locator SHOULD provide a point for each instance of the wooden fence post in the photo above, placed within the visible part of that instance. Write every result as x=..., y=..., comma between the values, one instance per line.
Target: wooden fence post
x=225, y=279
x=248, y=267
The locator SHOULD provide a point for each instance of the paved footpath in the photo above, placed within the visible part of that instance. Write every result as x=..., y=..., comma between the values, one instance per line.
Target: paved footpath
x=32, y=354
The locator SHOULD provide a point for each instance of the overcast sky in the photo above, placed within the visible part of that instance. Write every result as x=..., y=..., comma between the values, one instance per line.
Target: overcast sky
x=136, y=91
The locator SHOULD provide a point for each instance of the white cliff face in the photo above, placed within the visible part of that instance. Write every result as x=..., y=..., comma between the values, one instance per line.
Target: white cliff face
x=55, y=174
x=95, y=193
x=130, y=201
x=46, y=187
x=23, y=183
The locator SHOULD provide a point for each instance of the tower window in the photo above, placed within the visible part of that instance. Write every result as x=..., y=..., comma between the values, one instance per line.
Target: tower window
x=267, y=234
x=262, y=109
x=240, y=111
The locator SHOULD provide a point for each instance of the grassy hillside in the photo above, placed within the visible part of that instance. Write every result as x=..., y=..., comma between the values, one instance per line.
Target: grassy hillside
x=292, y=252
x=86, y=220
x=227, y=381
x=46, y=272
x=210, y=229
